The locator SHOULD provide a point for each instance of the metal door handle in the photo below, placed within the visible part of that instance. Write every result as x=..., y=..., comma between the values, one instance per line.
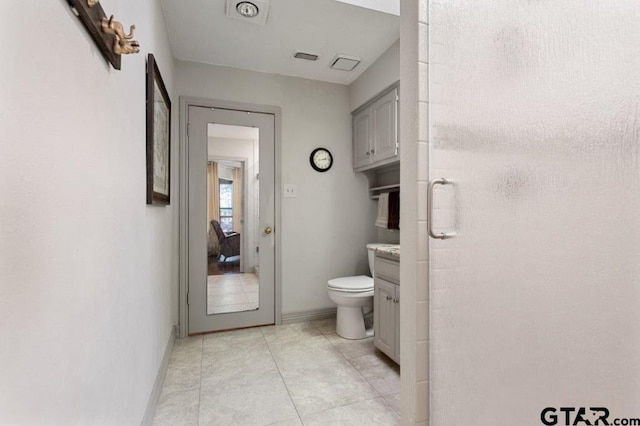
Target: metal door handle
x=441, y=235
x=268, y=230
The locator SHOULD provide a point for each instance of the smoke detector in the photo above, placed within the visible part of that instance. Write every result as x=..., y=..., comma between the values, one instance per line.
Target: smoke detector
x=252, y=11
x=344, y=62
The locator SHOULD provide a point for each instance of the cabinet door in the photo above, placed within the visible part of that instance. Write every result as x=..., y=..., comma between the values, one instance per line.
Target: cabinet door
x=362, y=138
x=397, y=322
x=384, y=316
x=385, y=127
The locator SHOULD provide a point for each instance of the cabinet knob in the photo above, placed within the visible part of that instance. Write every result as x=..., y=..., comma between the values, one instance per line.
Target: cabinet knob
x=396, y=300
x=389, y=298
x=373, y=151
x=368, y=153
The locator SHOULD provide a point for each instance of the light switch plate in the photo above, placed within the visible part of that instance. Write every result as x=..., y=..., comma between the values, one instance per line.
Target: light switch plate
x=290, y=190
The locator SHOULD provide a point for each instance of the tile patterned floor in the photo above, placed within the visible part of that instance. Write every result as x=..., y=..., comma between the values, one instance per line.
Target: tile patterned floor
x=232, y=293
x=299, y=374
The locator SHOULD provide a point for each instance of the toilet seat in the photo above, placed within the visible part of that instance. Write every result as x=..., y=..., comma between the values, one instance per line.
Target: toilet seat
x=356, y=284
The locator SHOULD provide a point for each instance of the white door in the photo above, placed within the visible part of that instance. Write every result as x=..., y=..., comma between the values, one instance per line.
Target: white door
x=535, y=302
x=230, y=300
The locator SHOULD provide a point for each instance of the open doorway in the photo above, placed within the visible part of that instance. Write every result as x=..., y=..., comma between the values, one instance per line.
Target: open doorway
x=232, y=218
x=224, y=216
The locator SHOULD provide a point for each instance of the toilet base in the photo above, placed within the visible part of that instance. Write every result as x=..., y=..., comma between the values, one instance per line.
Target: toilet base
x=350, y=323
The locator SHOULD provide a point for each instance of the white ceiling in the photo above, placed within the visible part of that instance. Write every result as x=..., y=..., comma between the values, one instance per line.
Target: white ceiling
x=387, y=6
x=199, y=31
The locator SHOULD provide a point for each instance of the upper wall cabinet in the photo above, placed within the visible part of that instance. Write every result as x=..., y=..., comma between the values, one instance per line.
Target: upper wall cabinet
x=375, y=131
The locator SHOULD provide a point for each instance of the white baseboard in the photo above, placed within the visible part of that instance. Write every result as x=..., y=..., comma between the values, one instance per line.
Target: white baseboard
x=310, y=315
x=157, y=386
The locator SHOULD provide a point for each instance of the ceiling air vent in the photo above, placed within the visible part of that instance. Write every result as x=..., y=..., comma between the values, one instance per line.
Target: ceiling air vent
x=344, y=62
x=306, y=56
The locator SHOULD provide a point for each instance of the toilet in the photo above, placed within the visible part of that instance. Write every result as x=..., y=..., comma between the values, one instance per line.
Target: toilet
x=354, y=296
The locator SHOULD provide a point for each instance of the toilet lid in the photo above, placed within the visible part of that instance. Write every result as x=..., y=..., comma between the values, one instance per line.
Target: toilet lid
x=352, y=284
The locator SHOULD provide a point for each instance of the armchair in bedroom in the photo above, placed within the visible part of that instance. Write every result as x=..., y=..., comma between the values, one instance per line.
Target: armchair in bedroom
x=229, y=242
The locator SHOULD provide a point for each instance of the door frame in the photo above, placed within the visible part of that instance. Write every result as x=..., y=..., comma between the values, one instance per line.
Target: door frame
x=183, y=264
x=244, y=246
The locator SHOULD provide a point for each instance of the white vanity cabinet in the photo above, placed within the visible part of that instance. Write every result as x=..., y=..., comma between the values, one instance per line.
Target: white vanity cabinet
x=386, y=307
x=375, y=131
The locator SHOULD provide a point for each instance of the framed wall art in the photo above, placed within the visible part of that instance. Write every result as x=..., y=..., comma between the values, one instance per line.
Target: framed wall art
x=158, y=137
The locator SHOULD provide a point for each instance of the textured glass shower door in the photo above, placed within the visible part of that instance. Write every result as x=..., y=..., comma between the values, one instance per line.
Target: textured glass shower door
x=535, y=303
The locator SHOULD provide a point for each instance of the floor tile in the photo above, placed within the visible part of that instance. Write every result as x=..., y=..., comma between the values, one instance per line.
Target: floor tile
x=179, y=408
x=371, y=412
x=274, y=374
x=375, y=364
x=394, y=401
x=386, y=385
x=352, y=348
x=232, y=293
x=232, y=368
x=237, y=340
x=187, y=342
x=216, y=291
x=289, y=422
x=326, y=326
x=228, y=299
x=380, y=371
x=296, y=359
x=181, y=378
x=185, y=349
x=250, y=280
x=301, y=333
x=320, y=387
x=262, y=401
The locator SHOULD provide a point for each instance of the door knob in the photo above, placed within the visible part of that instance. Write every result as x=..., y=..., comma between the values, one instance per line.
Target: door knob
x=268, y=230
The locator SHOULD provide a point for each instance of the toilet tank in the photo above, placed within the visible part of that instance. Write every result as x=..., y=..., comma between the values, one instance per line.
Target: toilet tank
x=371, y=252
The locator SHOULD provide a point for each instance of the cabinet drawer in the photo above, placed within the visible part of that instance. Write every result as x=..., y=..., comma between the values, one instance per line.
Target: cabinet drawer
x=388, y=270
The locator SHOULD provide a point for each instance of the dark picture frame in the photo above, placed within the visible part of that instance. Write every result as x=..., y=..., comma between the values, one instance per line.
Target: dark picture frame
x=158, y=137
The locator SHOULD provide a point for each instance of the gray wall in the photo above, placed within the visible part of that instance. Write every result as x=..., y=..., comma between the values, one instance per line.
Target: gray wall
x=88, y=289
x=382, y=73
x=325, y=229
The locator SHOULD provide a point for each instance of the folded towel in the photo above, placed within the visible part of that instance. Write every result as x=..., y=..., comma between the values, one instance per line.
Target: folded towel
x=394, y=210
x=383, y=211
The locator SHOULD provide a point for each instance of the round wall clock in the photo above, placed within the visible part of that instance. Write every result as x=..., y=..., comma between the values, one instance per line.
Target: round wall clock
x=321, y=159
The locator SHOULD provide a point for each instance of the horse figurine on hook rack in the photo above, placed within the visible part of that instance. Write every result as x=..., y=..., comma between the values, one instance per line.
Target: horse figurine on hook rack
x=123, y=44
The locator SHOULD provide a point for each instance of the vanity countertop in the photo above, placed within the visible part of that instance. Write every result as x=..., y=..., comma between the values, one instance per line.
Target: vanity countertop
x=389, y=252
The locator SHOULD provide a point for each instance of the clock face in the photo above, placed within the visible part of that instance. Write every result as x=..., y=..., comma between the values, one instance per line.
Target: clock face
x=321, y=159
